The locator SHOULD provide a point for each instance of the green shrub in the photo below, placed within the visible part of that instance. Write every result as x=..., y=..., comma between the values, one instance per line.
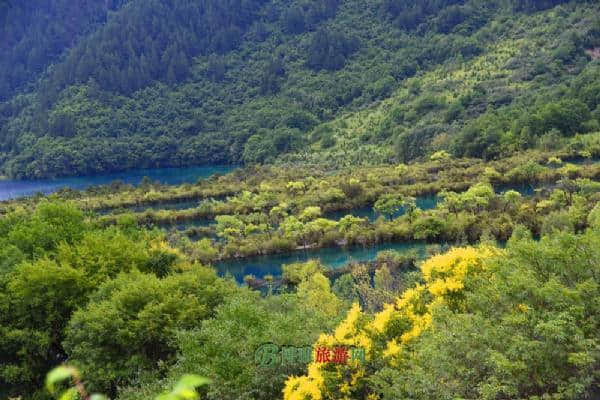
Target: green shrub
x=130, y=323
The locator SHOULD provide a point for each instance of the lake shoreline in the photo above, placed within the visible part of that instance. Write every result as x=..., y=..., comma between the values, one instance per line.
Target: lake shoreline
x=12, y=189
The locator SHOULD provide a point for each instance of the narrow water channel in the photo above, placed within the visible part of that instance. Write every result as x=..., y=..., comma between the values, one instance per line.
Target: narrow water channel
x=333, y=258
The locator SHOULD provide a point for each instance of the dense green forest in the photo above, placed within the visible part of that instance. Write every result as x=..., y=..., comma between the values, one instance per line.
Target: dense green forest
x=36, y=33
x=464, y=135
x=507, y=289
x=144, y=84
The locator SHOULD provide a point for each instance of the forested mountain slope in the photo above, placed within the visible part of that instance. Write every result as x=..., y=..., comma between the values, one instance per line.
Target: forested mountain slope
x=169, y=83
x=534, y=86
x=34, y=34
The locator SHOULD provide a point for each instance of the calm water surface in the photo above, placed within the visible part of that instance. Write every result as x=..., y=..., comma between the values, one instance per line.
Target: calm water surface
x=10, y=189
x=333, y=258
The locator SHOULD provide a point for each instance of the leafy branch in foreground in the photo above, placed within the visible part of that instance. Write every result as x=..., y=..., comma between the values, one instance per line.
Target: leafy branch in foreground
x=64, y=373
x=185, y=389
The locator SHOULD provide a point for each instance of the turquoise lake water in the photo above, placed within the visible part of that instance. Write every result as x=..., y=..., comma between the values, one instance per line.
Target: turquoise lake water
x=424, y=203
x=330, y=257
x=336, y=257
x=258, y=266
x=525, y=189
x=10, y=189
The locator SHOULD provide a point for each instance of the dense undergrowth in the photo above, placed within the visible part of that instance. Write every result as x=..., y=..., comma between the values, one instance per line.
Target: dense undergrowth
x=131, y=305
x=134, y=314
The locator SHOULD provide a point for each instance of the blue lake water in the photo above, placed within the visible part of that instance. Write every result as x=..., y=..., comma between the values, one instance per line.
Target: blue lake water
x=10, y=189
x=332, y=258
x=525, y=189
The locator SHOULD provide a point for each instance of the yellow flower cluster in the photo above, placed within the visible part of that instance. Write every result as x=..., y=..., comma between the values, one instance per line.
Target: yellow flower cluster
x=381, y=319
x=455, y=262
x=305, y=387
x=349, y=334
x=444, y=274
x=419, y=324
x=392, y=348
x=410, y=297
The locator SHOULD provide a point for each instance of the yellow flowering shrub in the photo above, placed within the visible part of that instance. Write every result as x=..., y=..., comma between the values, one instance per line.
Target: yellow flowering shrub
x=390, y=331
x=305, y=387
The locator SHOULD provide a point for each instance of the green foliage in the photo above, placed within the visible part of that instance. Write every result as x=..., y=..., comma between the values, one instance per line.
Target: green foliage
x=349, y=222
x=296, y=273
x=345, y=288
x=51, y=224
x=388, y=205
x=329, y=50
x=428, y=228
x=310, y=213
x=173, y=89
x=315, y=293
x=594, y=217
x=134, y=313
x=505, y=335
x=229, y=226
x=204, y=251
x=163, y=47
x=59, y=374
x=38, y=299
x=103, y=338
x=440, y=156
x=35, y=36
x=567, y=116
x=106, y=253
x=52, y=262
x=185, y=388
x=476, y=198
x=300, y=82
x=223, y=348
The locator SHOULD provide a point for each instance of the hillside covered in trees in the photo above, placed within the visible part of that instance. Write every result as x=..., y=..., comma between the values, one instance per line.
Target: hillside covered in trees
x=96, y=86
x=415, y=215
